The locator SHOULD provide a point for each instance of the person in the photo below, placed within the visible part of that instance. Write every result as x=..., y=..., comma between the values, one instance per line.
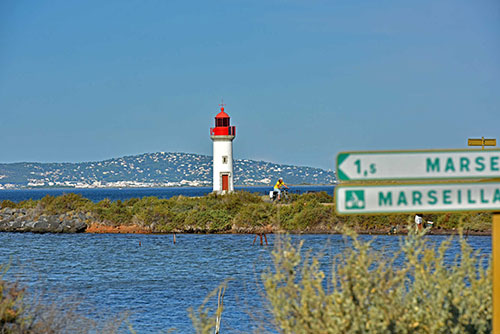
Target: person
x=429, y=224
x=418, y=222
x=394, y=229
x=278, y=186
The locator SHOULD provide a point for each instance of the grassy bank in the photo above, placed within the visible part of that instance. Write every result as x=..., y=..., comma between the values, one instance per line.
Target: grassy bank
x=240, y=212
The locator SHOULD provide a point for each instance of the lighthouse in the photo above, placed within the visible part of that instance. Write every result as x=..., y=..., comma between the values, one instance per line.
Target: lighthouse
x=222, y=136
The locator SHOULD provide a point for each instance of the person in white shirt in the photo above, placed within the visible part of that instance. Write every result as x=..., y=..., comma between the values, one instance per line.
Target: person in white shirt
x=418, y=222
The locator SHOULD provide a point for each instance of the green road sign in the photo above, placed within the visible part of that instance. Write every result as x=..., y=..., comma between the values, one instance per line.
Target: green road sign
x=414, y=165
x=373, y=199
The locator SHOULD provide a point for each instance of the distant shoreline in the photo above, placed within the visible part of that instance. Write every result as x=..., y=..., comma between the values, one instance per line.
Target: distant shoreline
x=161, y=187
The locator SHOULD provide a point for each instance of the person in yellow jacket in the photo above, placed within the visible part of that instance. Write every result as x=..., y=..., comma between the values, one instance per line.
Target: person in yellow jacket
x=279, y=185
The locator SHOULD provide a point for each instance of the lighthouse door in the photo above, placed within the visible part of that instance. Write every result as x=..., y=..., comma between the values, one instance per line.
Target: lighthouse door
x=225, y=182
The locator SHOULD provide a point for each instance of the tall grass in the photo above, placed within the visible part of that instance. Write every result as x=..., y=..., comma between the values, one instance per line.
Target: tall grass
x=205, y=319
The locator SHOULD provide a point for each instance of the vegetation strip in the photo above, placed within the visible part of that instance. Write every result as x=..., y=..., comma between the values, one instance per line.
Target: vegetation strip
x=239, y=212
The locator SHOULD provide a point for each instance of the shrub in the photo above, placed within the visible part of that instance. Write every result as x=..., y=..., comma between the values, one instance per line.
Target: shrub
x=64, y=203
x=370, y=292
x=304, y=213
x=321, y=197
x=114, y=212
x=212, y=220
x=255, y=214
x=28, y=204
x=7, y=204
x=11, y=306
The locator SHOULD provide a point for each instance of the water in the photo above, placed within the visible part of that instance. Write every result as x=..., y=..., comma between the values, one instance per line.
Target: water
x=158, y=281
x=114, y=194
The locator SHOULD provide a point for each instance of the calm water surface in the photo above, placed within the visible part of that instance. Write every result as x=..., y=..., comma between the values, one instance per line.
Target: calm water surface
x=158, y=281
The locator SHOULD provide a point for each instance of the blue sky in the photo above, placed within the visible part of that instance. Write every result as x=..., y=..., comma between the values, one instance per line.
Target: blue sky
x=302, y=80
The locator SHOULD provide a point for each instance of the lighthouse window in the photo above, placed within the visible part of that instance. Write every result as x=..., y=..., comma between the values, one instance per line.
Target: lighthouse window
x=224, y=159
x=222, y=122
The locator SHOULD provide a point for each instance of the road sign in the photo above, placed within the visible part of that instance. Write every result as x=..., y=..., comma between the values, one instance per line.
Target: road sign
x=481, y=142
x=413, y=165
x=373, y=199
x=411, y=198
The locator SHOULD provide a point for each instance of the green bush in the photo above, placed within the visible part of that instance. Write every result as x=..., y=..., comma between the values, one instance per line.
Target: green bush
x=370, y=293
x=28, y=204
x=211, y=220
x=64, y=203
x=115, y=213
x=321, y=197
x=304, y=213
x=7, y=204
x=255, y=214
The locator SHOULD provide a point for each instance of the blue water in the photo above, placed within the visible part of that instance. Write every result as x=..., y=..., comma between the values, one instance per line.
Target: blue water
x=158, y=281
x=127, y=193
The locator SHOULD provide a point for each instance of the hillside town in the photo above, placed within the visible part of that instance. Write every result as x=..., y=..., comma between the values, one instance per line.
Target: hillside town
x=161, y=169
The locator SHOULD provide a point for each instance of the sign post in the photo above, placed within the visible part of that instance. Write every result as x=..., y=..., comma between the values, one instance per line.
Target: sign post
x=495, y=240
x=495, y=249
x=464, y=165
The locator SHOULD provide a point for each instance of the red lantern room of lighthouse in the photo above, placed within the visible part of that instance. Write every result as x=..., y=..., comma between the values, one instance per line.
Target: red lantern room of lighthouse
x=222, y=136
x=223, y=125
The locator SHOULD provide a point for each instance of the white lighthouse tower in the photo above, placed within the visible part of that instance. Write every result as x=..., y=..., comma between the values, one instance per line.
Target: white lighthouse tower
x=222, y=135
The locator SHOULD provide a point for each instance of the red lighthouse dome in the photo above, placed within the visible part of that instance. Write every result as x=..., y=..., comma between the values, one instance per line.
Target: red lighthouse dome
x=222, y=114
x=223, y=125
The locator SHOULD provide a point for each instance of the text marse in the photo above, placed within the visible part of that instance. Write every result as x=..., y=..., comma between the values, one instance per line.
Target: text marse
x=463, y=164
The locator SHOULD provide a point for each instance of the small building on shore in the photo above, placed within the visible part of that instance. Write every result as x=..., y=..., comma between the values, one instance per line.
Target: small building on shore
x=222, y=136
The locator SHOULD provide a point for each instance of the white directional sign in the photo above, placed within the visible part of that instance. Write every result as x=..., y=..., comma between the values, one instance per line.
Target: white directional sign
x=412, y=165
x=417, y=198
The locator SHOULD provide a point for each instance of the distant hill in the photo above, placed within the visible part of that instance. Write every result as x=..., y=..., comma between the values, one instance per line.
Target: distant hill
x=152, y=169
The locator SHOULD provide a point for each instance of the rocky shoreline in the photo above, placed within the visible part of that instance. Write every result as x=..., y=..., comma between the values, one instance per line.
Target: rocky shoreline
x=27, y=220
